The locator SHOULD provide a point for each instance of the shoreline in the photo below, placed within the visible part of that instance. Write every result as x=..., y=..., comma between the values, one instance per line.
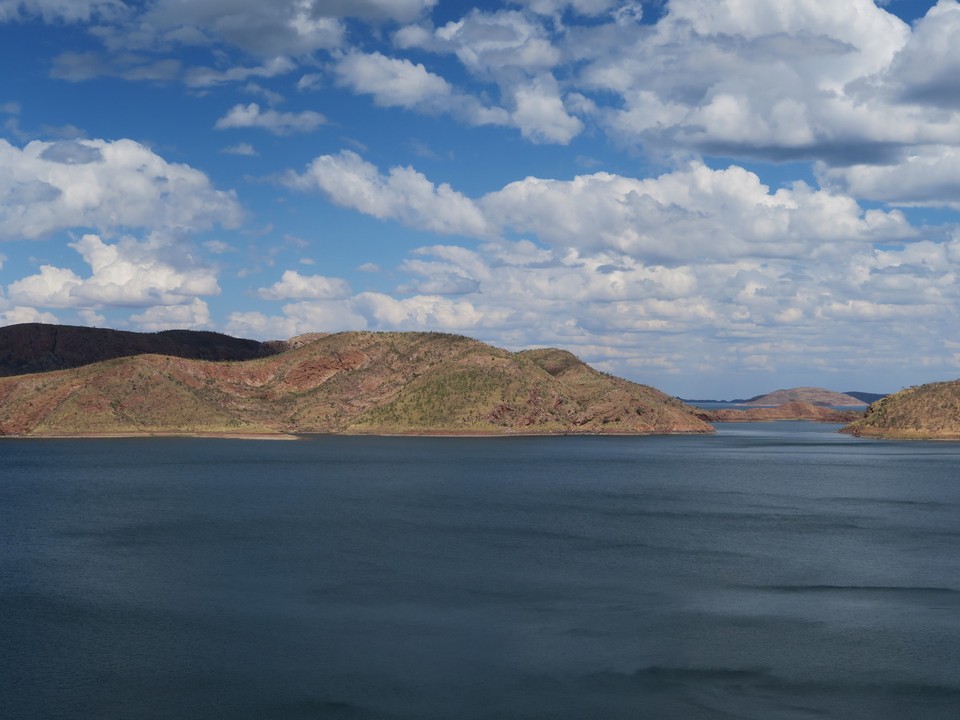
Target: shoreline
x=305, y=435
x=107, y=436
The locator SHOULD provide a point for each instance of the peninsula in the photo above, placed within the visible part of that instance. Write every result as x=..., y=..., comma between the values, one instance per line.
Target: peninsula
x=351, y=383
x=925, y=412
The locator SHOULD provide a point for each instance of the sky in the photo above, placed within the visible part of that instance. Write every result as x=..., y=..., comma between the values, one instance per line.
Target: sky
x=715, y=197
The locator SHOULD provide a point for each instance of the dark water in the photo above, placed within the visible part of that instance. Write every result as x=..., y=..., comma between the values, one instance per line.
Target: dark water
x=773, y=571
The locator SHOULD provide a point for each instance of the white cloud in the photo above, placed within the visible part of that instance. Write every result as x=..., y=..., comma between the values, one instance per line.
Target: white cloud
x=294, y=286
x=392, y=82
x=540, y=113
x=207, y=77
x=374, y=10
x=490, y=45
x=556, y=7
x=284, y=27
x=797, y=79
x=403, y=194
x=515, y=52
x=51, y=186
x=20, y=314
x=126, y=274
x=189, y=316
x=692, y=213
x=241, y=149
x=279, y=123
x=927, y=69
x=396, y=82
x=696, y=212
x=92, y=318
x=297, y=318
x=927, y=176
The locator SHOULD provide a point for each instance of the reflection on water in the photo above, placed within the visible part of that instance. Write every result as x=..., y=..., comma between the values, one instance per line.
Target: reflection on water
x=771, y=571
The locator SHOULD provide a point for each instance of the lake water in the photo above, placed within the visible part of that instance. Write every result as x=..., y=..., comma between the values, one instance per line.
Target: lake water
x=771, y=571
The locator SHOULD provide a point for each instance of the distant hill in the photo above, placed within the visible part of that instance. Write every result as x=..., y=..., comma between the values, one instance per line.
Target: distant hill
x=787, y=411
x=929, y=411
x=359, y=382
x=811, y=395
x=37, y=347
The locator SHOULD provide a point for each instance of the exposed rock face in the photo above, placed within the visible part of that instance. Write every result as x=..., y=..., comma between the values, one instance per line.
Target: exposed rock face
x=425, y=383
x=926, y=412
x=811, y=395
x=787, y=411
x=36, y=347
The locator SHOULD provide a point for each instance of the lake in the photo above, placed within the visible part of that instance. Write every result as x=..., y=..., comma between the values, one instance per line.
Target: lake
x=775, y=570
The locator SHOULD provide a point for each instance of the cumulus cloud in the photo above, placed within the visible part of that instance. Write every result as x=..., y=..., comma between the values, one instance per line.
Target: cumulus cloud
x=128, y=273
x=279, y=123
x=20, y=314
x=927, y=68
x=583, y=7
x=294, y=286
x=287, y=27
x=491, y=45
x=402, y=194
x=695, y=212
x=515, y=52
x=51, y=186
x=540, y=113
x=927, y=176
x=297, y=318
x=189, y=316
x=806, y=79
x=394, y=82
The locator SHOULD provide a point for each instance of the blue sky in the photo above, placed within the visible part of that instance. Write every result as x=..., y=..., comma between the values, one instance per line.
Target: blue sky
x=715, y=197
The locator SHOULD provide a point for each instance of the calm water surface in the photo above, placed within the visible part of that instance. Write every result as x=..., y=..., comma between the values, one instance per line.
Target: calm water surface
x=771, y=571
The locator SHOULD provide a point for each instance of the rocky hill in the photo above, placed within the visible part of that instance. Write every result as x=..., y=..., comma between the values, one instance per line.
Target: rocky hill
x=811, y=395
x=358, y=382
x=787, y=411
x=37, y=347
x=929, y=411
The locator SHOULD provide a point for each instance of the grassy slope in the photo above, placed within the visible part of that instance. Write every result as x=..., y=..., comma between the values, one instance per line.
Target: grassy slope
x=347, y=382
x=929, y=411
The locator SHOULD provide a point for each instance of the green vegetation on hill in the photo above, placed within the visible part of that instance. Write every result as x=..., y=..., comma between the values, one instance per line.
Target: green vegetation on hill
x=929, y=411
x=358, y=382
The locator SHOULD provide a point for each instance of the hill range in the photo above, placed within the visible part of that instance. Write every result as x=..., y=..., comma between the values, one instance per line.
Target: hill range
x=353, y=382
x=786, y=411
x=38, y=347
